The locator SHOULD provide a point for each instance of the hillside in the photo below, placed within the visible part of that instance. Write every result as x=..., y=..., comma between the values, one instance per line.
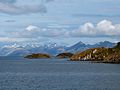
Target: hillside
x=64, y=55
x=37, y=56
x=108, y=55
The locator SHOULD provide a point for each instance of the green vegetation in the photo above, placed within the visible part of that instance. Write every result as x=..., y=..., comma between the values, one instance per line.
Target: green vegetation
x=37, y=56
x=106, y=55
x=64, y=55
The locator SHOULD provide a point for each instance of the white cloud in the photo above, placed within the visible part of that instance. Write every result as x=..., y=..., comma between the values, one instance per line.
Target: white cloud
x=84, y=30
x=32, y=28
x=103, y=28
x=35, y=32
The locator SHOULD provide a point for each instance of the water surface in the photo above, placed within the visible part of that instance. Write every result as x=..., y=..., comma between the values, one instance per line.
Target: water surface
x=17, y=73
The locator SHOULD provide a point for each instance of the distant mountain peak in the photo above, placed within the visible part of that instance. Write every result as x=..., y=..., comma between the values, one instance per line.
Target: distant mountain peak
x=80, y=46
x=105, y=42
x=80, y=42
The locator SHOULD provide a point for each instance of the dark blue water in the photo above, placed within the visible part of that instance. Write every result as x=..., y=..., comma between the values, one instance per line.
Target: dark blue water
x=17, y=73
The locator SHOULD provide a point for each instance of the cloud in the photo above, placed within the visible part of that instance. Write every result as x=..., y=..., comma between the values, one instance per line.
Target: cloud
x=32, y=28
x=10, y=7
x=14, y=1
x=13, y=9
x=49, y=1
x=9, y=21
x=8, y=1
x=95, y=15
x=35, y=32
x=46, y=32
x=103, y=28
x=8, y=39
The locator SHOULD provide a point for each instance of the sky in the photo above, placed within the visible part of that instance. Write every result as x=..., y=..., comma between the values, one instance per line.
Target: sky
x=60, y=21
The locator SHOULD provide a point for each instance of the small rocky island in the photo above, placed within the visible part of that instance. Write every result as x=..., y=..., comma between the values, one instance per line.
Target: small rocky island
x=38, y=56
x=64, y=55
x=105, y=55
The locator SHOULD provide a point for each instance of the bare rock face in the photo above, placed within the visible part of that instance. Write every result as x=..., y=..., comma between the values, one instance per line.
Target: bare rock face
x=37, y=56
x=64, y=55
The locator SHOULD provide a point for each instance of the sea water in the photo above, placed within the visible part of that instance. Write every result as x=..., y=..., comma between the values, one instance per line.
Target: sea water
x=17, y=73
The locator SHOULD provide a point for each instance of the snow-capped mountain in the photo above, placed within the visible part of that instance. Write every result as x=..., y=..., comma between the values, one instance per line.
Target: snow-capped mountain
x=49, y=48
x=6, y=50
x=19, y=52
x=24, y=49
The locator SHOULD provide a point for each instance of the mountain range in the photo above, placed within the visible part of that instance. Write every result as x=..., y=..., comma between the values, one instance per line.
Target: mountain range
x=80, y=46
x=49, y=48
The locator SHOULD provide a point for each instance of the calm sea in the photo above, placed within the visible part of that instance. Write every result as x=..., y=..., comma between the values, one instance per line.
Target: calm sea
x=17, y=73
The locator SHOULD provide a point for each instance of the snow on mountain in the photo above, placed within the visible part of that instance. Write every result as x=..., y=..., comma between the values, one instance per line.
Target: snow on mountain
x=49, y=48
x=19, y=52
x=24, y=49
